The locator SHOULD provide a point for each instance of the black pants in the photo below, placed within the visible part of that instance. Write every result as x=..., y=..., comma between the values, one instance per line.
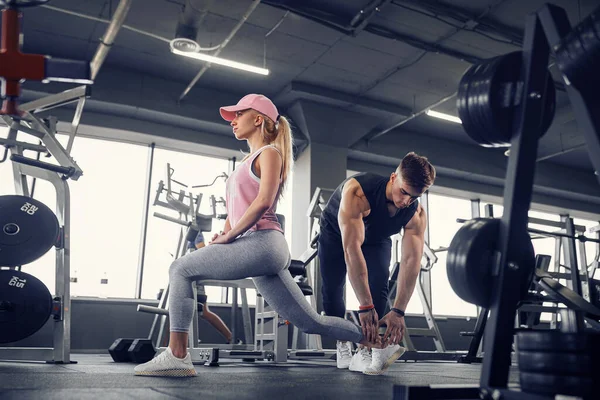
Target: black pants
x=333, y=272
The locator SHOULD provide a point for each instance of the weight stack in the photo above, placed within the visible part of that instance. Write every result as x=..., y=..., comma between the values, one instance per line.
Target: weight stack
x=554, y=362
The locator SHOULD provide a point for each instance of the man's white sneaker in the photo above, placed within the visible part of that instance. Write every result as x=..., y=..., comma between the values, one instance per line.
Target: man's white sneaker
x=361, y=360
x=166, y=364
x=383, y=358
x=343, y=354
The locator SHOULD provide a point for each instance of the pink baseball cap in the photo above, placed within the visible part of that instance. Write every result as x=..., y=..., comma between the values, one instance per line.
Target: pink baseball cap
x=256, y=102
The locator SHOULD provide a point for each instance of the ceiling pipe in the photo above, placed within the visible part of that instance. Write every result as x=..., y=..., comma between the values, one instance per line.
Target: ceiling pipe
x=206, y=66
x=362, y=18
x=485, y=24
x=374, y=135
x=108, y=39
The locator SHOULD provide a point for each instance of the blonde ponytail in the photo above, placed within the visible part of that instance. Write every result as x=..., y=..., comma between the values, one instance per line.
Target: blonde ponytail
x=281, y=138
x=283, y=142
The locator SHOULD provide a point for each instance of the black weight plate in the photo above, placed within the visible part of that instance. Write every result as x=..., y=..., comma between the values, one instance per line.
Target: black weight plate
x=471, y=256
x=502, y=116
x=485, y=97
x=461, y=101
x=473, y=102
x=28, y=229
x=578, y=364
x=551, y=384
x=504, y=105
x=25, y=305
x=475, y=86
x=470, y=122
x=469, y=260
x=556, y=341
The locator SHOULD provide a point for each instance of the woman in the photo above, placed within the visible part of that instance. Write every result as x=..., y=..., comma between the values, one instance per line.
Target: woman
x=252, y=243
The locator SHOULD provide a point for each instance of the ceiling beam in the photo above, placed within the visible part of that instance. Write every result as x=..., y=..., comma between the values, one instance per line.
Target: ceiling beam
x=487, y=24
x=297, y=90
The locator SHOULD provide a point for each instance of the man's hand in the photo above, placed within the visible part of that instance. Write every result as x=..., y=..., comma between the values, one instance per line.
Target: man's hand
x=396, y=327
x=222, y=238
x=368, y=322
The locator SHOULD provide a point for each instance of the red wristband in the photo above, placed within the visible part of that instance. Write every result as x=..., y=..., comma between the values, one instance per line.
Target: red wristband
x=369, y=307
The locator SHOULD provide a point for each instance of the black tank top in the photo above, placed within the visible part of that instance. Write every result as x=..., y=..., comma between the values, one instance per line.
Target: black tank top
x=379, y=225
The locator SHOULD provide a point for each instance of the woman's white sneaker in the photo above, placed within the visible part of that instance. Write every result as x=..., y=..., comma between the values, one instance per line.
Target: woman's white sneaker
x=383, y=358
x=166, y=364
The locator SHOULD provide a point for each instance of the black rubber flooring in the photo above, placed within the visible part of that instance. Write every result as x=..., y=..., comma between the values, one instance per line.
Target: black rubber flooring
x=98, y=377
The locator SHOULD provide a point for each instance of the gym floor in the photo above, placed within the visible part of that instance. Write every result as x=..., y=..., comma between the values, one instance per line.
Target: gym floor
x=97, y=376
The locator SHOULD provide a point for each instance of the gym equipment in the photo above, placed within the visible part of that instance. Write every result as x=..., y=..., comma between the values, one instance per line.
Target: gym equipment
x=119, y=350
x=545, y=30
x=16, y=66
x=432, y=331
x=58, y=175
x=488, y=96
x=558, y=362
x=132, y=350
x=471, y=252
x=28, y=230
x=25, y=305
x=532, y=305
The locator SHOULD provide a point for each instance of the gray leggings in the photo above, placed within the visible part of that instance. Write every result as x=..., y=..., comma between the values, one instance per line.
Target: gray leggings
x=264, y=256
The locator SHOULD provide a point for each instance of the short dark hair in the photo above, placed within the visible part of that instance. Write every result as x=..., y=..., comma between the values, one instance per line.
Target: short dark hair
x=416, y=171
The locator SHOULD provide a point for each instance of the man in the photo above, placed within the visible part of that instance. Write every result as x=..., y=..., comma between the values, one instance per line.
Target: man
x=356, y=225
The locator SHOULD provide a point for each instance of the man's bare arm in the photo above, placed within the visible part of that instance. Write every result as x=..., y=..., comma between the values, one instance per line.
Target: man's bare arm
x=352, y=207
x=413, y=241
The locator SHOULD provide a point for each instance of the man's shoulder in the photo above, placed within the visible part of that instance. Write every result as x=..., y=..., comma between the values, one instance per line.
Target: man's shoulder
x=418, y=221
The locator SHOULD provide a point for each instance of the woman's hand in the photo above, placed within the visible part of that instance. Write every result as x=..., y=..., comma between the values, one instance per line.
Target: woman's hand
x=222, y=238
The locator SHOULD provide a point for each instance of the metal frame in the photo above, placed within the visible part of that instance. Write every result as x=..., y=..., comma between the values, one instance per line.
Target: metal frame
x=412, y=354
x=60, y=352
x=549, y=25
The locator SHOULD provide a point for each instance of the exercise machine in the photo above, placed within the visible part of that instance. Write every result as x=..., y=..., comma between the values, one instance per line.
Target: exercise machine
x=432, y=331
x=533, y=305
x=29, y=229
x=510, y=100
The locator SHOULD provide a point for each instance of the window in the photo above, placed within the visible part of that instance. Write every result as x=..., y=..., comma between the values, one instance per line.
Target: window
x=443, y=212
x=106, y=216
x=163, y=236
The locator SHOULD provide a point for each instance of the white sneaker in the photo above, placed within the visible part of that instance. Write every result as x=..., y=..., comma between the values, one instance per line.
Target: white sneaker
x=166, y=364
x=343, y=354
x=361, y=360
x=383, y=358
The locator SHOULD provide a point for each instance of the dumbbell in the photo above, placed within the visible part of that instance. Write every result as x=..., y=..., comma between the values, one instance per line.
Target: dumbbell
x=132, y=350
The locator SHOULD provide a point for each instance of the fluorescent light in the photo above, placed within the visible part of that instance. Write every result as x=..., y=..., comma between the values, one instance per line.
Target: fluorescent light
x=446, y=117
x=221, y=61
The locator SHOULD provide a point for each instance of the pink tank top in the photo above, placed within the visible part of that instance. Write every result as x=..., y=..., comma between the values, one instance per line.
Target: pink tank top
x=241, y=190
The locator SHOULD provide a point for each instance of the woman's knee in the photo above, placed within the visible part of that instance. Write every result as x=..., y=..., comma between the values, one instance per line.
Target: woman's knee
x=175, y=268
